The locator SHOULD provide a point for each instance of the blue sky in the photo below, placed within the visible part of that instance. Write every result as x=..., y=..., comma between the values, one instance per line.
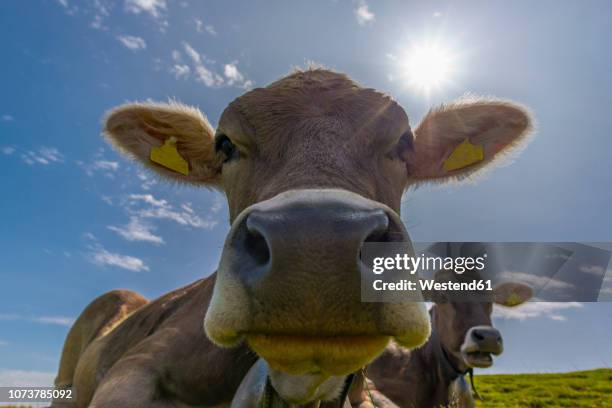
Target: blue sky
x=78, y=220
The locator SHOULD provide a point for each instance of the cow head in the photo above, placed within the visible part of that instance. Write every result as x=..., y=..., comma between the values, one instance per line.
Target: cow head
x=313, y=166
x=464, y=326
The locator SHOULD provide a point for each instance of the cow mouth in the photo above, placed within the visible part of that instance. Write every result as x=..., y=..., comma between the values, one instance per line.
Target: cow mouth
x=329, y=355
x=478, y=359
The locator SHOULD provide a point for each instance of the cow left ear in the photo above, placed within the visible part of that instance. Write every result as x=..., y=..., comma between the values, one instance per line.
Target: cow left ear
x=512, y=294
x=456, y=140
x=173, y=140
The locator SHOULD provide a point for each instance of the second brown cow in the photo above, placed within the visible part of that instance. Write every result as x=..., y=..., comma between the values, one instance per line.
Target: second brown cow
x=462, y=338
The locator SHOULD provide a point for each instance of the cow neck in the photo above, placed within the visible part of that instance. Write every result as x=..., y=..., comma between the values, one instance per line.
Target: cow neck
x=449, y=370
x=446, y=365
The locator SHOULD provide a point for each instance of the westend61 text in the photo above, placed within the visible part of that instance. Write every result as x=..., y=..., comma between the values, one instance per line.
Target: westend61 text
x=427, y=285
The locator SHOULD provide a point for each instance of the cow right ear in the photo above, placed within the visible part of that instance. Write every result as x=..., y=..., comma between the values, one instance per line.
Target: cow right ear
x=173, y=140
x=512, y=294
x=458, y=139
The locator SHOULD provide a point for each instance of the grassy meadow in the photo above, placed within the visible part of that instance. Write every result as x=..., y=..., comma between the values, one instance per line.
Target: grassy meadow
x=580, y=389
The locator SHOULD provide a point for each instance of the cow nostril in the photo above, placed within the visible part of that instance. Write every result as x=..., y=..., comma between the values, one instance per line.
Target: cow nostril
x=386, y=230
x=257, y=247
x=378, y=235
x=477, y=335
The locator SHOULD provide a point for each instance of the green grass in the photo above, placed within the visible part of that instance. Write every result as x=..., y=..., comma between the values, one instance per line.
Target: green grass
x=581, y=389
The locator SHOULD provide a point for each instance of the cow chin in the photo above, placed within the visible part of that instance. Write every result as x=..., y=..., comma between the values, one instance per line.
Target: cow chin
x=331, y=356
x=477, y=359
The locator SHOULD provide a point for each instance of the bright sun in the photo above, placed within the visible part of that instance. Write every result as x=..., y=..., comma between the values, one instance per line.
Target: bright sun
x=426, y=67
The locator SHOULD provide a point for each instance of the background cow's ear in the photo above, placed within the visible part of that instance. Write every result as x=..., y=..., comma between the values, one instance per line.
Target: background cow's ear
x=512, y=294
x=174, y=140
x=455, y=140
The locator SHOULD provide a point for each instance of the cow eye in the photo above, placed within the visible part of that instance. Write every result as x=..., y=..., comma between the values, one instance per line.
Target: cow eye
x=224, y=145
x=402, y=147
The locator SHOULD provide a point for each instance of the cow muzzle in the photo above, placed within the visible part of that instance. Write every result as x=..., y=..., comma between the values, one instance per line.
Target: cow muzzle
x=289, y=282
x=481, y=342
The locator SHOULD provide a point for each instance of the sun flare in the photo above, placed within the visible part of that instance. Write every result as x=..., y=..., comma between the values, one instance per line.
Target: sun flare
x=426, y=67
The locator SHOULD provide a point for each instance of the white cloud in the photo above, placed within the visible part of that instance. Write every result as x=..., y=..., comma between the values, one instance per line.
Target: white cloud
x=97, y=23
x=176, y=56
x=137, y=230
x=132, y=42
x=181, y=217
x=605, y=293
x=161, y=209
x=192, y=53
x=70, y=10
x=7, y=118
x=180, y=71
x=234, y=76
x=203, y=70
x=152, y=7
x=89, y=236
x=217, y=204
x=44, y=156
x=149, y=199
x=105, y=166
x=201, y=27
x=107, y=199
x=8, y=150
x=364, y=15
x=22, y=378
x=102, y=257
x=100, y=10
x=142, y=209
x=207, y=77
x=593, y=270
x=530, y=310
x=187, y=207
x=57, y=320
x=536, y=282
x=203, y=74
x=147, y=182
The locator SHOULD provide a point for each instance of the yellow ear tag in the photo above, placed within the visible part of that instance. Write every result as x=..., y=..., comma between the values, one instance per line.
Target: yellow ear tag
x=167, y=156
x=464, y=155
x=513, y=300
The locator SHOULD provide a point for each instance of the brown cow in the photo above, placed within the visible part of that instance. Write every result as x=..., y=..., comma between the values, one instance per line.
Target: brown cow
x=313, y=166
x=462, y=338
